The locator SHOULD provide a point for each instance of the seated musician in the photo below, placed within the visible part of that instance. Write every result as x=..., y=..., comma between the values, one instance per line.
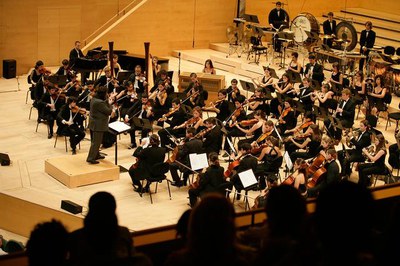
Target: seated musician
x=268, y=129
x=147, y=158
x=347, y=156
x=314, y=71
x=325, y=98
x=329, y=27
x=285, y=87
x=265, y=81
x=73, y=88
x=332, y=174
x=237, y=116
x=298, y=178
x=394, y=153
x=64, y=70
x=190, y=145
x=194, y=82
x=359, y=87
x=70, y=124
x=305, y=95
x=377, y=161
x=195, y=96
x=176, y=118
x=160, y=96
x=376, y=97
x=246, y=162
x=258, y=102
x=345, y=113
x=287, y=119
x=86, y=95
x=163, y=77
x=41, y=87
x=271, y=158
x=108, y=81
x=51, y=103
x=221, y=106
x=75, y=53
x=142, y=111
x=255, y=124
x=233, y=91
x=126, y=98
x=297, y=131
x=209, y=67
x=138, y=80
x=36, y=73
x=336, y=79
x=295, y=65
x=210, y=181
x=311, y=145
x=212, y=138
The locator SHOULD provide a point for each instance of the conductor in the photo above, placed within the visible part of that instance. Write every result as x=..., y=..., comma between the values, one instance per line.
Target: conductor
x=100, y=110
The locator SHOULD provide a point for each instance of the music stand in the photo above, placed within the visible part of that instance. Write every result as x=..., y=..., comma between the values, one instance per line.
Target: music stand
x=59, y=80
x=315, y=84
x=124, y=75
x=117, y=128
x=170, y=74
x=249, y=181
x=141, y=123
x=251, y=18
x=319, y=113
x=298, y=107
x=312, y=35
x=284, y=37
x=247, y=86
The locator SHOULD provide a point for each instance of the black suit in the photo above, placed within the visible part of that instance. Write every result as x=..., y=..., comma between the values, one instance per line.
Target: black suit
x=76, y=131
x=105, y=81
x=332, y=177
x=47, y=113
x=329, y=30
x=346, y=118
x=138, y=110
x=247, y=162
x=73, y=55
x=277, y=20
x=191, y=146
x=178, y=118
x=354, y=155
x=213, y=140
x=317, y=72
x=305, y=98
x=147, y=158
x=84, y=99
x=368, y=42
x=137, y=84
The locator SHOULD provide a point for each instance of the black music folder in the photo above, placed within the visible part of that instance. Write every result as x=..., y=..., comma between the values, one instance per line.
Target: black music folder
x=141, y=123
x=251, y=18
x=59, y=80
x=124, y=75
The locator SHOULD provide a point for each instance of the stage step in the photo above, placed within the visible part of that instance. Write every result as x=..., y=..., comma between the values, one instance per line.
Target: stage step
x=373, y=14
x=73, y=170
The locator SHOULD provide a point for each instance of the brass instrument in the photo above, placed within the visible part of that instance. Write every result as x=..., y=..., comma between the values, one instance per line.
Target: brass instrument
x=371, y=151
x=355, y=134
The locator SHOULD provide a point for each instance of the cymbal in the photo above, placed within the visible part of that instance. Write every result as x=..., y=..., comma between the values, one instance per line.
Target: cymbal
x=338, y=40
x=380, y=61
x=327, y=37
x=396, y=67
x=288, y=31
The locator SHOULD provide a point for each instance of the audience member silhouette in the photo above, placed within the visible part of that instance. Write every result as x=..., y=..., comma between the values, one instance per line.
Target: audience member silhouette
x=344, y=220
x=212, y=236
x=47, y=244
x=101, y=241
x=182, y=226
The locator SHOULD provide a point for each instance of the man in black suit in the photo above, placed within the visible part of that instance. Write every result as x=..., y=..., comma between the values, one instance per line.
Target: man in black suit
x=367, y=41
x=176, y=119
x=85, y=97
x=329, y=26
x=345, y=113
x=314, y=70
x=108, y=81
x=363, y=140
x=138, y=80
x=191, y=145
x=213, y=139
x=75, y=53
x=305, y=94
x=276, y=18
x=71, y=123
x=100, y=110
x=221, y=106
x=147, y=159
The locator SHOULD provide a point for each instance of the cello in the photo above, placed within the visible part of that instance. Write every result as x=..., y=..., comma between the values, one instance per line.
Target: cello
x=315, y=171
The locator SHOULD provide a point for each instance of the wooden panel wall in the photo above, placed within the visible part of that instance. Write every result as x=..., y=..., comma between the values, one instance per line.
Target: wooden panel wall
x=389, y=6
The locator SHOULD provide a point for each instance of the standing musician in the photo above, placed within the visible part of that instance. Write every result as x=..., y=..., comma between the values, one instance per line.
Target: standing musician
x=277, y=18
x=246, y=162
x=211, y=181
x=287, y=119
x=377, y=164
x=237, y=116
x=107, y=81
x=314, y=71
x=70, y=124
x=51, y=103
x=212, y=138
x=367, y=41
x=336, y=77
x=329, y=27
x=305, y=95
x=256, y=126
x=257, y=103
x=160, y=96
x=142, y=110
x=86, y=96
x=363, y=140
x=265, y=81
x=64, y=70
x=377, y=97
x=127, y=98
x=100, y=111
x=177, y=117
x=233, y=91
x=345, y=113
x=116, y=66
x=190, y=145
x=139, y=81
x=221, y=106
x=332, y=174
x=295, y=65
x=147, y=158
x=284, y=88
x=312, y=144
x=325, y=98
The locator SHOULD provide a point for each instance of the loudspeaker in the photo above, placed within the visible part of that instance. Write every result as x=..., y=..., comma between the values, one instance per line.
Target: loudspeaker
x=4, y=159
x=71, y=207
x=9, y=68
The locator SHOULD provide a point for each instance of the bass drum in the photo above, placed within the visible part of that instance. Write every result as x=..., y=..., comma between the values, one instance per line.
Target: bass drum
x=345, y=31
x=303, y=23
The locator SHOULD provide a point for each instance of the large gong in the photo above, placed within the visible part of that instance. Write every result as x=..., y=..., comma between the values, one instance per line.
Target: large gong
x=303, y=23
x=345, y=31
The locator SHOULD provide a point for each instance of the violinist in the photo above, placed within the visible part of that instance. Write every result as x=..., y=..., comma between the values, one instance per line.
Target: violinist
x=284, y=88
x=190, y=145
x=233, y=91
x=298, y=178
x=72, y=88
x=256, y=129
x=287, y=119
x=195, y=92
x=163, y=78
x=211, y=181
x=221, y=106
x=312, y=144
x=265, y=81
x=51, y=103
x=64, y=70
x=41, y=88
x=305, y=95
x=139, y=81
x=87, y=94
x=257, y=102
x=176, y=118
x=142, y=110
x=126, y=98
x=36, y=73
x=298, y=131
x=232, y=131
x=246, y=162
x=160, y=96
x=70, y=122
x=212, y=140
x=107, y=80
x=268, y=129
x=195, y=121
x=332, y=174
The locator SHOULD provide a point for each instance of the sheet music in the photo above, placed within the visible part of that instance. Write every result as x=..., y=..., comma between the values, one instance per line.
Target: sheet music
x=119, y=126
x=288, y=161
x=248, y=178
x=198, y=161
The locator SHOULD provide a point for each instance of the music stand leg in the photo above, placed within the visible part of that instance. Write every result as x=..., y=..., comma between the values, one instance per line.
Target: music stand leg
x=121, y=168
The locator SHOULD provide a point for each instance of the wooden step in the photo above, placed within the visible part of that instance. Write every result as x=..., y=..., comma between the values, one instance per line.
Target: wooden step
x=377, y=23
x=373, y=14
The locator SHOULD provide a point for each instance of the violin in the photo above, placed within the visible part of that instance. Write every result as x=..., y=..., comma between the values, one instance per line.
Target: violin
x=192, y=121
x=202, y=133
x=44, y=71
x=232, y=166
x=248, y=122
x=284, y=113
x=165, y=116
x=77, y=109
